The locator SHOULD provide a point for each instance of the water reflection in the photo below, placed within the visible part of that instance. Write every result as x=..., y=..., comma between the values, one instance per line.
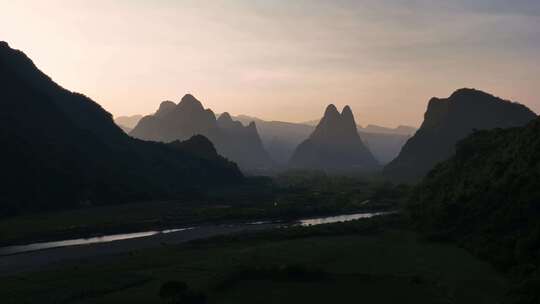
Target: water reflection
x=339, y=218
x=84, y=241
x=9, y=250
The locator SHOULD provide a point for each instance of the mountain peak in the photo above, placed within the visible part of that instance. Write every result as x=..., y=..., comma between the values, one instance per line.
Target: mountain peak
x=467, y=91
x=165, y=107
x=4, y=44
x=347, y=115
x=225, y=117
x=197, y=145
x=189, y=118
x=190, y=102
x=331, y=110
x=469, y=95
x=449, y=120
x=334, y=145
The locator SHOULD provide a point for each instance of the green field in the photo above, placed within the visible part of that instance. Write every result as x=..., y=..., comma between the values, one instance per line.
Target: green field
x=341, y=262
x=289, y=197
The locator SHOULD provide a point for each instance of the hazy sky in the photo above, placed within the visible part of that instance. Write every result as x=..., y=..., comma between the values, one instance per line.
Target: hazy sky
x=285, y=59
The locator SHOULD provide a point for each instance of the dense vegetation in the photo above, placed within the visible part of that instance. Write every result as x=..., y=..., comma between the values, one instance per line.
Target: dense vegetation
x=487, y=197
x=286, y=197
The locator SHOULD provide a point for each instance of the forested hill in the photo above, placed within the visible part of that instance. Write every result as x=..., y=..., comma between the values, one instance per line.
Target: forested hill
x=487, y=197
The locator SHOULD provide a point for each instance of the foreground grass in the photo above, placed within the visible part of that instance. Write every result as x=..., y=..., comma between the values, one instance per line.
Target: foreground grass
x=353, y=262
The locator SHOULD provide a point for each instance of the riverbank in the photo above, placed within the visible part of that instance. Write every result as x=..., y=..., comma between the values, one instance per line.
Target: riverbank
x=287, y=198
x=40, y=256
x=149, y=216
x=349, y=262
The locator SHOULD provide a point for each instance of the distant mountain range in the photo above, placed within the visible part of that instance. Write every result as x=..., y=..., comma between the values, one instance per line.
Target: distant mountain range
x=334, y=146
x=61, y=149
x=446, y=122
x=127, y=123
x=402, y=130
x=233, y=140
x=281, y=138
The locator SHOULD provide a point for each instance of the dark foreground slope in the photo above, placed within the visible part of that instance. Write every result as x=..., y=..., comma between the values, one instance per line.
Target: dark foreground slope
x=446, y=122
x=375, y=260
x=61, y=149
x=488, y=198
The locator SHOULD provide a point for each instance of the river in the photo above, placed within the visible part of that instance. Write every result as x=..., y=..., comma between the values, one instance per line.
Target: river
x=21, y=258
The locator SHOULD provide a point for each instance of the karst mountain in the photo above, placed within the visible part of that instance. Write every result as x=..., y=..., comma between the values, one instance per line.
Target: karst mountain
x=449, y=120
x=334, y=146
x=232, y=139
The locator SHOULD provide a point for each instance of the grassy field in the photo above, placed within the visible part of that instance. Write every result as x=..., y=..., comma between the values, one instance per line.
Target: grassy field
x=340, y=263
x=104, y=219
x=291, y=198
x=148, y=216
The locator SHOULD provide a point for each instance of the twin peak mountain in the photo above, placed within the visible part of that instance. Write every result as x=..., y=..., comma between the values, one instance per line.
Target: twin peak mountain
x=334, y=146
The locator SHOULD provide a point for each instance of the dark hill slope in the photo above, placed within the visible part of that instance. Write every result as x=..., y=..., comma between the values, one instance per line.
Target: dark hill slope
x=60, y=149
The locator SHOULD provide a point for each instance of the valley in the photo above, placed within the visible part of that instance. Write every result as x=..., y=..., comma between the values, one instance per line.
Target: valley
x=269, y=152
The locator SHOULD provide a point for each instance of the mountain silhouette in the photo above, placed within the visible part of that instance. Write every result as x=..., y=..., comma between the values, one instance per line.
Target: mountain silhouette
x=177, y=122
x=232, y=139
x=449, y=120
x=61, y=149
x=281, y=138
x=334, y=146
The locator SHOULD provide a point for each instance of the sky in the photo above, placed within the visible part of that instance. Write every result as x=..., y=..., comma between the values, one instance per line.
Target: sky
x=282, y=59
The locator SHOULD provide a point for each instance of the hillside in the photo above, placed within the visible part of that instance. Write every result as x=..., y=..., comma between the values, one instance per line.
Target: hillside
x=62, y=150
x=487, y=197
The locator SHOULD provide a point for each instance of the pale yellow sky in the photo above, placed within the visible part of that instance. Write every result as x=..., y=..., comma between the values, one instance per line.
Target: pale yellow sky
x=282, y=60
